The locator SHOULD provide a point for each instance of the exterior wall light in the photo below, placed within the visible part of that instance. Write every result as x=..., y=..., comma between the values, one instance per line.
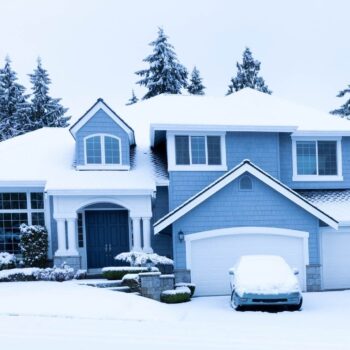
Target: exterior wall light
x=181, y=236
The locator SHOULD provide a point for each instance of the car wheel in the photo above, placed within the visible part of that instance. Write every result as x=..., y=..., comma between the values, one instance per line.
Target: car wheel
x=233, y=304
x=296, y=307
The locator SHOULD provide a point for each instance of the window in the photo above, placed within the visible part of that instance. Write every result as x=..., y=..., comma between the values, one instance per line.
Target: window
x=102, y=149
x=198, y=150
x=245, y=183
x=18, y=208
x=317, y=159
x=80, y=230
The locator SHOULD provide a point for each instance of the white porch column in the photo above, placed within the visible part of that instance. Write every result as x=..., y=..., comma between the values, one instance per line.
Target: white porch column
x=61, y=237
x=146, y=225
x=136, y=231
x=72, y=241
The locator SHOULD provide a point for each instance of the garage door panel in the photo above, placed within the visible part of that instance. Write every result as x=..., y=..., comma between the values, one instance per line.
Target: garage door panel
x=212, y=257
x=336, y=260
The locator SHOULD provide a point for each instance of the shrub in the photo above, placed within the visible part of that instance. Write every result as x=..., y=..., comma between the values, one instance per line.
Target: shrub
x=164, y=264
x=7, y=261
x=34, y=245
x=175, y=296
x=118, y=272
x=27, y=274
x=191, y=286
x=58, y=274
x=80, y=275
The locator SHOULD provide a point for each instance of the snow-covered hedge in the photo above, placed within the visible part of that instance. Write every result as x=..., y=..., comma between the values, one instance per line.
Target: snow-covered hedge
x=174, y=296
x=58, y=274
x=118, y=272
x=191, y=286
x=132, y=280
x=34, y=245
x=7, y=261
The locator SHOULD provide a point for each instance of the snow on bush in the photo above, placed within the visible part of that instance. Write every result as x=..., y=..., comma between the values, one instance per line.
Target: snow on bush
x=34, y=245
x=7, y=261
x=174, y=296
x=26, y=274
x=191, y=286
x=132, y=280
x=140, y=259
x=80, y=274
x=118, y=272
x=58, y=274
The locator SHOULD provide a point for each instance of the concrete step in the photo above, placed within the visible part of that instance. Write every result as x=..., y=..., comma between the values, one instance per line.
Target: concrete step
x=102, y=283
x=124, y=289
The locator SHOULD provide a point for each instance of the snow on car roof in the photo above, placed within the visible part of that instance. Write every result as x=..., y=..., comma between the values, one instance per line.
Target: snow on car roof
x=264, y=274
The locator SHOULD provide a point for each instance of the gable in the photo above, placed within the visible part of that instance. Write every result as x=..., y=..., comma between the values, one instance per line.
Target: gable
x=228, y=178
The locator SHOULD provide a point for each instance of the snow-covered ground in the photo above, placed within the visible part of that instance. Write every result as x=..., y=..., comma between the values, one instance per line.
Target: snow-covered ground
x=49, y=315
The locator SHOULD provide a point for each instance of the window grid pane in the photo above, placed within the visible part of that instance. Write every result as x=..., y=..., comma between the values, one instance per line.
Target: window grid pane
x=214, y=150
x=327, y=158
x=93, y=150
x=38, y=219
x=112, y=150
x=198, y=149
x=9, y=231
x=306, y=158
x=182, y=150
x=13, y=200
x=80, y=231
x=37, y=200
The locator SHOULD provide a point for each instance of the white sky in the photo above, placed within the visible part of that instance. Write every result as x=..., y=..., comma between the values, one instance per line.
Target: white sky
x=92, y=48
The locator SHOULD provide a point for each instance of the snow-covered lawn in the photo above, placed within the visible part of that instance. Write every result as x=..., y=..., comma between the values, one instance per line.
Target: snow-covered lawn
x=42, y=315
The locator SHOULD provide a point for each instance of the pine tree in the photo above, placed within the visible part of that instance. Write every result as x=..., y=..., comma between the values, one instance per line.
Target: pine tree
x=165, y=73
x=344, y=110
x=196, y=86
x=247, y=75
x=133, y=99
x=14, y=108
x=45, y=110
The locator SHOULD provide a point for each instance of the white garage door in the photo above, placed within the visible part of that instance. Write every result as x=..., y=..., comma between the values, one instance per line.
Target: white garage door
x=336, y=259
x=210, y=258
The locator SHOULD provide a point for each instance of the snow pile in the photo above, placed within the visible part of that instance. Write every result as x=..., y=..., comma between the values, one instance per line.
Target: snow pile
x=7, y=260
x=140, y=259
x=264, y=274
x=180, y=290
x=127, y=268
x=131, y=276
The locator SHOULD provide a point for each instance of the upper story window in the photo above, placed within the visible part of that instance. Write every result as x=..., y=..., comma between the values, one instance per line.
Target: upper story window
x=317, y=160
x=102, y=150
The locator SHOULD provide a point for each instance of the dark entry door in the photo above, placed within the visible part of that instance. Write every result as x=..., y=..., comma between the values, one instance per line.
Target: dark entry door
x=107, y=234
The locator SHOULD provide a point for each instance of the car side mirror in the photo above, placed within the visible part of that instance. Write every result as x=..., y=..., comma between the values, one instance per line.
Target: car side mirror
x=231, y=271
x=296, y=271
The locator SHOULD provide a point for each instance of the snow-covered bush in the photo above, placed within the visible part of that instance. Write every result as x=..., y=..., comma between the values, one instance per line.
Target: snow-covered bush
x=174, y=296
x=131, y=280
x=80, y=275
x=34, y=245
x=58, y=274
x=191, y=286
x=118, y=272
x=7, y=261
x=19, y=275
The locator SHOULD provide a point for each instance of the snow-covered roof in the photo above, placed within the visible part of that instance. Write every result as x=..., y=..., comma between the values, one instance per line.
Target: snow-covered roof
x=335, y=202
x=47, y=156
x=245, y=110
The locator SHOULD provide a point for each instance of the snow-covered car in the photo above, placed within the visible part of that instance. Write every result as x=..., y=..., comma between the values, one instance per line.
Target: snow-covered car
x=258, y=280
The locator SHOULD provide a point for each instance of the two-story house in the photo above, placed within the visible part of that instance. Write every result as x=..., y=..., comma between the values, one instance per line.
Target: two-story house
x=200, y=179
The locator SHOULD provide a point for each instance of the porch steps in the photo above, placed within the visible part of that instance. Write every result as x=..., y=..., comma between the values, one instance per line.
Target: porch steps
x=124, y=289
x=102, y=283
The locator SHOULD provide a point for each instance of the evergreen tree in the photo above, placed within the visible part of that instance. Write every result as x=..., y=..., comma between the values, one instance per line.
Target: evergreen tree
x=196, y=86
x=14, y=108
x=45, y=110
x=165, y=73
x=344, y=110
x=247, y=75
x=133, y=99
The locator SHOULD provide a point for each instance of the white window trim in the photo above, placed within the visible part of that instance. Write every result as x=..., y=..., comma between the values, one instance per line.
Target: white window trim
x=297, y=177
x=103, y=165
x=171, y=152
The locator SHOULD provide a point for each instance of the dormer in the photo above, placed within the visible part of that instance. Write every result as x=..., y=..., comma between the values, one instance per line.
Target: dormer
x=103, y=139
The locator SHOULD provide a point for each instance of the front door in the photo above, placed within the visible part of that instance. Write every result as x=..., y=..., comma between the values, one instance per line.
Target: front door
x=107, y=234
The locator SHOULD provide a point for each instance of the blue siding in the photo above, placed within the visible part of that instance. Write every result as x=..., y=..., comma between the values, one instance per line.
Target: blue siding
x=231, y=207
x=162, y=243
x=102, y=123
x=287, y=167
